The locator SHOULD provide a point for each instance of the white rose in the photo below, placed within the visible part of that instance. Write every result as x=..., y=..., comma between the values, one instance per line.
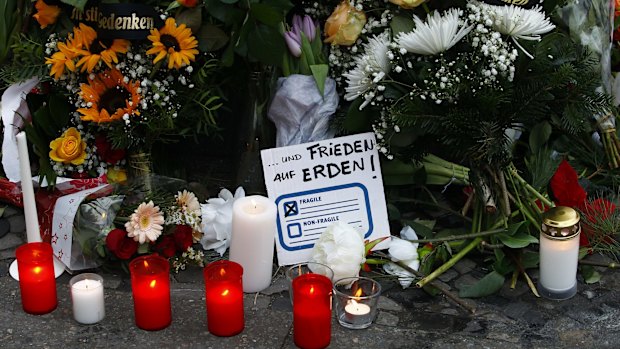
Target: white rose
x=341, y=247
x=402, y=250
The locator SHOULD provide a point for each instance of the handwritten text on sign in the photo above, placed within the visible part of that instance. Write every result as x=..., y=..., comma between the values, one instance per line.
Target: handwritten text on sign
x=320, y=183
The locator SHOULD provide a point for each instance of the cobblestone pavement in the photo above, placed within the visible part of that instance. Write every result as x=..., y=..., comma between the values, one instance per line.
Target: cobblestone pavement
x=409, y=318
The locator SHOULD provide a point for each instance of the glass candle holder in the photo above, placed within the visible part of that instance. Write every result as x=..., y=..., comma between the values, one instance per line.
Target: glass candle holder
x=37, y=283
x=224, y=298
x=356, y=301
x=559, y=253
x=87, y=298
x=306, y=268
x=150, y=286
x=312, y=311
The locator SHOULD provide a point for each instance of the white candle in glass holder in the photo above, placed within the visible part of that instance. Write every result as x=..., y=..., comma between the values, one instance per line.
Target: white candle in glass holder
x=253, y=240
x=559, y=253
x=87, y=298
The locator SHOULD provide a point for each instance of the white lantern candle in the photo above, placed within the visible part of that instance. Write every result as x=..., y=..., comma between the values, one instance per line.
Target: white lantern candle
x=30, y=208
x=253, y=239
x=87, y=298
x=559, y=253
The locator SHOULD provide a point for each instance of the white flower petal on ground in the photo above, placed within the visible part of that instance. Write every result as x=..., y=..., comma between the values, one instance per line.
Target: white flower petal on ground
x=340, y=247
x=370, y=68
x=146, y=223
x=435, y=35
x=217, y=220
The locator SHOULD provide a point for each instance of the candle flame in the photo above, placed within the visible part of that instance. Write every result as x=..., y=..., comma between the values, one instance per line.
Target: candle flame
x=253, y=203
x=358, y=293
x=146, y=264
x=37, y=270
x=312, y=289
x=152, y=284
x=225, y=293
x=222, y=272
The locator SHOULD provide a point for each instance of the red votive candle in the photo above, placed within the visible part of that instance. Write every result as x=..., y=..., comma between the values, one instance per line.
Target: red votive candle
x=224, y=294
x=312, y=311
x=37, y=283
x=150, y=285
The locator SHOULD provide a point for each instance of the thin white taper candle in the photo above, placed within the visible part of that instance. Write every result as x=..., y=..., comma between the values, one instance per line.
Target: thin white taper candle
x=33, y=233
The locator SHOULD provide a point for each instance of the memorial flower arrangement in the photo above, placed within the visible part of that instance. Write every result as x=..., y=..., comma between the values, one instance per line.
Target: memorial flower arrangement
x=104, y=97
x=474, y=105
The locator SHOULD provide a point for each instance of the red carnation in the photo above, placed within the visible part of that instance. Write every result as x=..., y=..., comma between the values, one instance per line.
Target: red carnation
x=166, y=246
x=120, y=244
x=105, y=151
x=565, y=187
x=183, y=237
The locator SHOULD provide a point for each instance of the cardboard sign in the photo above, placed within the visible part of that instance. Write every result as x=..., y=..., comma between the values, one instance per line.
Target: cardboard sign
x=320, y=183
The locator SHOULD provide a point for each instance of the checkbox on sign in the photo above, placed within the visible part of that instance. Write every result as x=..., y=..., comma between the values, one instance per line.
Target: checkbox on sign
x=290, y=208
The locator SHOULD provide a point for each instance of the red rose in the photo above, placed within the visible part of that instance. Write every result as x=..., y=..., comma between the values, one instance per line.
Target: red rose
x=165, y=246
x=183, y=237
x=105, y=151
x=120, y=244
x=565, y=187
x=188, y=3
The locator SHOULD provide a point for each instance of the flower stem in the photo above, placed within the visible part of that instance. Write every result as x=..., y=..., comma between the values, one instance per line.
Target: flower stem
x=513, y=172
x=460, y=237
x=449, y=264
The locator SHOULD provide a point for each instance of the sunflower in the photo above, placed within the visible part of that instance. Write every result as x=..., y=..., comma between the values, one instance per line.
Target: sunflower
x=175, y=43
x=108, y=97
x=61, y=60
x=95, y=50
x=46, y=14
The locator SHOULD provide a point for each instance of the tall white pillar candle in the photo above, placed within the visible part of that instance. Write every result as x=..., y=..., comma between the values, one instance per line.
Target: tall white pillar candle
x=87, y=298
x=253, y=240
x=33, y=233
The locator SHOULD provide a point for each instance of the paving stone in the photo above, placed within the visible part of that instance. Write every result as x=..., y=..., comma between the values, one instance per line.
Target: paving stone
x=388, y=304
x=18, y=224
x=386, y=319
x=192, y=275
x=464, y=266
x=112, y=281
x=10, y=241
x=10, y=211
x=277, y=286
x=448, y=275
x=7, y=254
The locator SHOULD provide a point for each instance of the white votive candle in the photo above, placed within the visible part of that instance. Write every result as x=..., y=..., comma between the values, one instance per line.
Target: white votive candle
x=253, y=240
x=87, y=298
x=558, y=263
x=356, y=312
x=30, y=208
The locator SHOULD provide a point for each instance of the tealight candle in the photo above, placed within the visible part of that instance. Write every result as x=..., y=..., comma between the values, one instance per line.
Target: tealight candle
x=150, y=286
x=559, y=253
x=312, y=311
x=37, y=282
x=87, y=298
x=356, y=301
x=253, y=239
x=224, y=298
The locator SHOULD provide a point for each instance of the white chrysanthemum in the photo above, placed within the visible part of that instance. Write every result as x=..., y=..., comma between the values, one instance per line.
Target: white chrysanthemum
x=519, y=23
x=146, y=223
x=187, y=201
x=217, y=220
x=370, y=68
x=438, y=34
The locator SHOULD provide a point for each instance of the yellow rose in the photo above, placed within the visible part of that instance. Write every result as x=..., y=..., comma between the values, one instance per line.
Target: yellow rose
x=344, y=25
x=408, y=4
x=68, y=148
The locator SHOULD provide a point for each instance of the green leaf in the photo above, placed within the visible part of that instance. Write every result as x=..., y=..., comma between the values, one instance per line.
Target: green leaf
x=393, y=212
x=266, y=14
x=590, y=275
x=224, y=12
x=266, y=44
x=319, y=71
x=486, y=286
x=400, y=24
x=518, y=240
x=211, y=38
x=172, y=6
x=514, y=228
x=422, y=228
x=530, y=259
x=76, y=3
x=191, y=17
x=356, y=120
x=229, y=1
x=539, y=136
